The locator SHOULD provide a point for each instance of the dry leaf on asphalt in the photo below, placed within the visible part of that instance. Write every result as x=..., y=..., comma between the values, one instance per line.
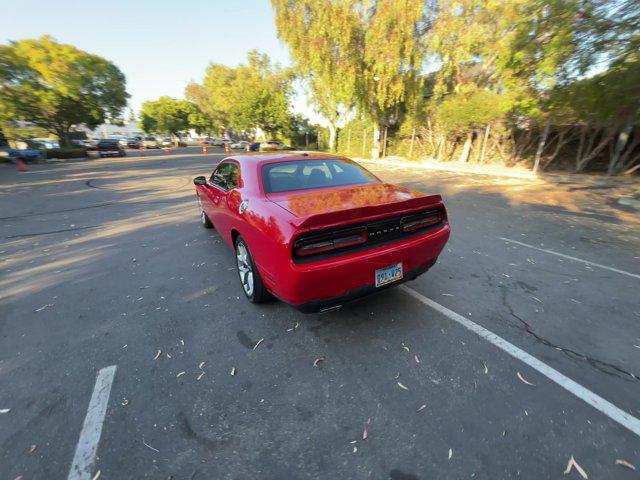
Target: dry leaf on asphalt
x=571, y=464
x=233, y=371
x=365, y=433
x=450, y=454
x=125, y=402
x=200, y=376
x=523, y=380
x=5, y=410
x=318, y=360
x=32, y=448
x=624, y=463
x=180, y=374
x=158, y=355
x=258, y=343
x=201, y=365
x=405, y=347
x=397, y=375
x=402, y=386
x=416, y=358
x=422, y=407
x=96, y=476
x=486, y=370
x=44, y=306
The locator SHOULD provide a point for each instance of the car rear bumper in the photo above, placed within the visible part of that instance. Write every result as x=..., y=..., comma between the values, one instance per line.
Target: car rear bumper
x=328, y=304
x=312, y=287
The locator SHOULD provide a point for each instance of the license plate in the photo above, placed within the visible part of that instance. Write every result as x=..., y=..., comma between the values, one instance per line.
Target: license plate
x=388, y=274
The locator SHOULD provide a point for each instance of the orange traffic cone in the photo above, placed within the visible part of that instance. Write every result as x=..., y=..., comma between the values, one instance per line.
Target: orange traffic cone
x=204, y=148
x=166, y=150
x=226, y=148
x=141, y=152
x=21, y=165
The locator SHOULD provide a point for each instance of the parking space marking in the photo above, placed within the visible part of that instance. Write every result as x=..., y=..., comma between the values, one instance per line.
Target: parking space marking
x=597, y=402
x=84, y=458
x=586, y=262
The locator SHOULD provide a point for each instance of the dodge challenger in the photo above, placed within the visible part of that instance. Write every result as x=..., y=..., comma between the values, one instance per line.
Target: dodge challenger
x=318, y=230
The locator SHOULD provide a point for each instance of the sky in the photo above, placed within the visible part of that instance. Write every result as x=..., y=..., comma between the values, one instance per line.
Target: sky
x=159, y=45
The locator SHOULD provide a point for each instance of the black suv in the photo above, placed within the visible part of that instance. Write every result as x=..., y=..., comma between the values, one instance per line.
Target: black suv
x=111, y=147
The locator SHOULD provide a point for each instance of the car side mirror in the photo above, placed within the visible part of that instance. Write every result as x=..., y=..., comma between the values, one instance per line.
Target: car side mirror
x=199, y=180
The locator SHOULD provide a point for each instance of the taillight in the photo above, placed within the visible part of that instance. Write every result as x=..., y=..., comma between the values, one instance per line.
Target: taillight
x=422, y=221
x=326, y=242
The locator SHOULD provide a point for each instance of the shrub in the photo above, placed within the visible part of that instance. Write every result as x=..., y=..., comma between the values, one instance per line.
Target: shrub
x=73, y=152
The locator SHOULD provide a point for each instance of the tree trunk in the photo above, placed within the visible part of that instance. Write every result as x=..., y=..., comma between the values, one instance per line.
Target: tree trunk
x=606, y=138
x=441, y=148
x=543, y=140
x=464, y=156
x=332, y=136
x=413, y=139
x=375, y=149
x=623, y=138
x=485, y=139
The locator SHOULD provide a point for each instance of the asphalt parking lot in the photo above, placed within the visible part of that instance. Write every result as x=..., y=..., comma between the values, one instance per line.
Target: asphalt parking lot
x=103, y=263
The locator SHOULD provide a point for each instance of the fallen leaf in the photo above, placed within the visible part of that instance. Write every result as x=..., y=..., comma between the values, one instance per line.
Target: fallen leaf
x=258, y=343
x=96, y=476
x=32, y=448
x=402, y=386
x=450, y=454
x=422, y=407
x=233, y=371
x=125, y=402
x=523, y=380
x=365, y=433
x=180, y=374
x=405, y=347
x=355, y=449
x=200, y=376
x=44, y=306
x=397, y=375
x=182, y=342
x=624, y=463
x=149, y=446
x=486, y=370
x=416, y=358
x=5, y=410
x=318, y=360
x=201, y=365
x=571, y=464
x=158, y=355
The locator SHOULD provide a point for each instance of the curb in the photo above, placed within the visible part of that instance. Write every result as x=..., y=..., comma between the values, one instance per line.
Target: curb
x=449, y=168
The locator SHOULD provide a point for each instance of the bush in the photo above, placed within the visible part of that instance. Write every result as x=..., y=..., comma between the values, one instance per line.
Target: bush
x=73, y=152
x=182, y=144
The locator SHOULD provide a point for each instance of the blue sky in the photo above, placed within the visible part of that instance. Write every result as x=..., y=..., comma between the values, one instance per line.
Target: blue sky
x=160, y=45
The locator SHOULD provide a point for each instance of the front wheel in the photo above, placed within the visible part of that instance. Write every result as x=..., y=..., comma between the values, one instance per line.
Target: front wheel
x=204, y=219
x=249, y=276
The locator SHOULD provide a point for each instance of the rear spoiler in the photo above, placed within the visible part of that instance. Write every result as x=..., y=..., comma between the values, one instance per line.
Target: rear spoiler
x=365, y=213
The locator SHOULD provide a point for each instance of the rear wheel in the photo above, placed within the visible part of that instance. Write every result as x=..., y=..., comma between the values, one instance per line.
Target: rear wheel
x=249, y=276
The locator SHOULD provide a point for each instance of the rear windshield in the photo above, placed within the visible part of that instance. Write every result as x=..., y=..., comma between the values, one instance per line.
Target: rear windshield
x=311, y=173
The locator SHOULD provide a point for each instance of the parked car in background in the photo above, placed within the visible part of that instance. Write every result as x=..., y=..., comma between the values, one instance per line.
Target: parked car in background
x=120, y=138
x=273, y=145
x=22, y=154
x=219, y=142
x=242, y=144
x=166, y=142
x=82, y=143
x=254, y=147
x=44, y=143
x=150, y=142
x=111, y=147
x=134, y=142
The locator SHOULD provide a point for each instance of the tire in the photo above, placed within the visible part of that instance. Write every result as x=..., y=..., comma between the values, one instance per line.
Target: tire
x=250, y=279
x=204, y=219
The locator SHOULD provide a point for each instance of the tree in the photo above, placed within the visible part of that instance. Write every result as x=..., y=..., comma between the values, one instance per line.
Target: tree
x=250, y=96
x=324, y=39
x=56, y=86
x=170, y=116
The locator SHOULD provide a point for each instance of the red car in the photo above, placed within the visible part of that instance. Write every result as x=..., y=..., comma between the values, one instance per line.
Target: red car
x=318, y=230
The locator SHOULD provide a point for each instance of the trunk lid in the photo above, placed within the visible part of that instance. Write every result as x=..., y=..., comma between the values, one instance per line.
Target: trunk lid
x=334, y=206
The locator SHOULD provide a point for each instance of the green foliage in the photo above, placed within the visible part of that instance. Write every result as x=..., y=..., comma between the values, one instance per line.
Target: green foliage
x=55, y=86
x=65, y=152
x=255, y=94
x=170, y=116
x=463, y=112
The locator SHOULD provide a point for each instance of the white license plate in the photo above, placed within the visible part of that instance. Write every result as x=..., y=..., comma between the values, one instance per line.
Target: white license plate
x=388, y=274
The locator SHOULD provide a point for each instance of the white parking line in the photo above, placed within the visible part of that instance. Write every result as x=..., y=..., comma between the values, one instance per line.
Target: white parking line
x=593, y=264
x=84, y=458
x=597, y=402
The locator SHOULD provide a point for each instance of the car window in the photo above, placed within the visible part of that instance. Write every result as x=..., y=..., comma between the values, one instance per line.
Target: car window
x=312, y=173
x=225, y=176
